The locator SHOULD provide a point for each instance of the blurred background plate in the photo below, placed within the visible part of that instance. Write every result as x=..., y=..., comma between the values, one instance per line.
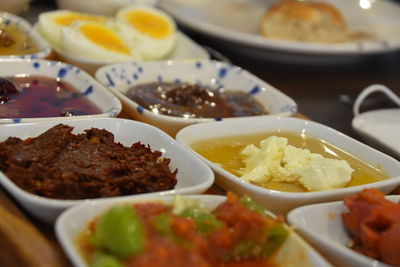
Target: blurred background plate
x=236, y=23
x=380, y=128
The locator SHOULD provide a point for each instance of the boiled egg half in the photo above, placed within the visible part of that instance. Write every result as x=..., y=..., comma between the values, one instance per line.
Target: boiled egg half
x=96, y=41
x=148, y=29
x=50, y=23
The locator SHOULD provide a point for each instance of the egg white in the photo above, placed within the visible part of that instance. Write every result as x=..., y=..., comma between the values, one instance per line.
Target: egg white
x=152, y=41
x=97, y=42
x=50, y=23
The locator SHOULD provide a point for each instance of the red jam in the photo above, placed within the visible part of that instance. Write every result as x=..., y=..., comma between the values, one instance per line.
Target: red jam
x=194, y=101
x=39, y=96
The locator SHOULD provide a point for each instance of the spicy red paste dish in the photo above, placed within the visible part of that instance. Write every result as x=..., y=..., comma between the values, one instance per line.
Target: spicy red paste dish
x=374, y=223
x=238, y=232
x=59, y=164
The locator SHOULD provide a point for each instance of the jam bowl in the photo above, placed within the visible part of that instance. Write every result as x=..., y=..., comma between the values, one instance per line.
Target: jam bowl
x=37, y=90
x=161, y=92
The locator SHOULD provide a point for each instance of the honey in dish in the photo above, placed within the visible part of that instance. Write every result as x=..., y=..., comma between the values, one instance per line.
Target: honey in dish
x=226, y=153
x=14, y=41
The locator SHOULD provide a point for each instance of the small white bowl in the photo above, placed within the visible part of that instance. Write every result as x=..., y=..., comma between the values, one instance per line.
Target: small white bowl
x=322, y=226
x=27, y=30
x=294, y=252
x=193, y=176
x=100, y=7
x=122, y=76
x=278, y=201
x=96, y=93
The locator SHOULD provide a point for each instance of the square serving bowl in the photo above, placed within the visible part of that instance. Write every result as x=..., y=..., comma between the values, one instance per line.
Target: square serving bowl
x=322, y=226
x=293, y=252
x=194, y=176
x=122, y=76
x=26, y=29
x=96, y=93
x=278, y=201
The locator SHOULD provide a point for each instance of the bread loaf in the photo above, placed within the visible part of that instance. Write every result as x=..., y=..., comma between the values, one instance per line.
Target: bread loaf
x=304, y=21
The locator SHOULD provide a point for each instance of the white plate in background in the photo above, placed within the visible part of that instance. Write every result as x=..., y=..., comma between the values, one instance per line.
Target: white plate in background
x=380, y=127
x=236, y=21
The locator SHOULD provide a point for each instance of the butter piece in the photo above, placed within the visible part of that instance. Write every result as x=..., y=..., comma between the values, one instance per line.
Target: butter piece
x=277, y=161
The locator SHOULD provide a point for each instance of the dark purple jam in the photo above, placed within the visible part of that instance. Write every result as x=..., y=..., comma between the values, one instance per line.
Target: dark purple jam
x=193, y=101
x=39, y=96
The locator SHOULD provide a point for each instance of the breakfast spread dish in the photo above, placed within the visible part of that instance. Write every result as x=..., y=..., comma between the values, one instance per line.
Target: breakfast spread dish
x=238, y=232
x=374, y=223
x=288, y=162
x=317, y=22
x=58, y=164
x=194, y=101
x=137, y=32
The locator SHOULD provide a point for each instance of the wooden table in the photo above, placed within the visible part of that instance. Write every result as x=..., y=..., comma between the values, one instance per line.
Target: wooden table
x=323, y=92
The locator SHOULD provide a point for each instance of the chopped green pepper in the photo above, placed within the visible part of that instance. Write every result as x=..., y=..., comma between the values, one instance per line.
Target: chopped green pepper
x=254, y=206
x=119, y=231
x=162, y=223
x=244, y=249
x=100, y=259
x=276, y=236
x=206, y=223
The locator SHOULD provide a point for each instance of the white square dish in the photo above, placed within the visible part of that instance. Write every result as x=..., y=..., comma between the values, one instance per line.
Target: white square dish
x=279, y=201
x=294, y=251
x=122, y=76
x=322, y=226
x=193, y=176
x=103, y=99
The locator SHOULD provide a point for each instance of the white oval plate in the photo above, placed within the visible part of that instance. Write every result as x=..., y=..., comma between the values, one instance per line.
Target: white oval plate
x=321, y=225
x=237, y=21
x=294, y=252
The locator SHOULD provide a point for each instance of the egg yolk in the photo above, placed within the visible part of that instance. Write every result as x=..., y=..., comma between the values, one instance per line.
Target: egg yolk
x=149, y=23
x=104, y=37
x=68, y=19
